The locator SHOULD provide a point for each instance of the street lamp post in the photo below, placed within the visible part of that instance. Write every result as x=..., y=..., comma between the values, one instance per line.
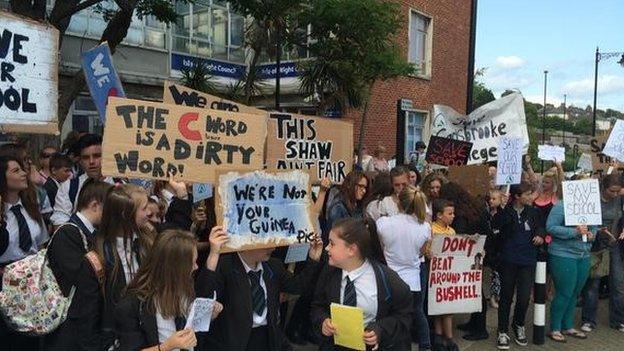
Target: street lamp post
x=601, y=56
x=544, y=115
x=564, y=118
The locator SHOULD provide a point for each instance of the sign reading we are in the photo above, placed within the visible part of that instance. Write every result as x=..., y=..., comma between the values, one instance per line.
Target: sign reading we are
x=154, y=140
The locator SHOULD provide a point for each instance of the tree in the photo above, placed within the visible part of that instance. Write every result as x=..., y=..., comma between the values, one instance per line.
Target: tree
x=480, y=95
x=351, y=55
x=198, y=77
x=118, y=13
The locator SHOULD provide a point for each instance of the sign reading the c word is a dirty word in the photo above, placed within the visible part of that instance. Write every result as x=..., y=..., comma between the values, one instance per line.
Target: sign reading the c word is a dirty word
x=509, y=170
x=448, y=152
x=322, y=147
x=158, y=141
x=28, y=75
x=581, y=200
x=262, y=209
x=456, y=274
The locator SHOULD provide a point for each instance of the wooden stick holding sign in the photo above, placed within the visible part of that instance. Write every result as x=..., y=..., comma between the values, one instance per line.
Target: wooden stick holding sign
x=153, y=140
x=262, y=210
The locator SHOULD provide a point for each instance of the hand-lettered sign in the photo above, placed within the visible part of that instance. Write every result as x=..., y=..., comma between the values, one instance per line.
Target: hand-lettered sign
x=101, y=77
x=153, y=140
x=29, y=62
x=455, y=274
x=202, y=191
x=484, y=126
x=322, y=147
x=551, y=153
x=181, y=95
x=448, y=152
x=261, y=209
x=581, y=201
x=509, y=167
x=615, y=144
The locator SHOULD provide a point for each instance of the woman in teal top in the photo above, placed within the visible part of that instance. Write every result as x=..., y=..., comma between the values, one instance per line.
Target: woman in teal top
x=569, y=261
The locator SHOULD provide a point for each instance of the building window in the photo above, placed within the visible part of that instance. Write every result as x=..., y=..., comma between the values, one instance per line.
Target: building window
x=419, y=52
x=414, y=123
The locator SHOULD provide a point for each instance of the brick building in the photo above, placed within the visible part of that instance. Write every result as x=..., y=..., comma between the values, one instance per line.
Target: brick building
x=437, y=38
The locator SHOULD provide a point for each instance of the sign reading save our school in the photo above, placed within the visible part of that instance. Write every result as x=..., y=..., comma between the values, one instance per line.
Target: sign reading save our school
x=447, y=152
x=154, y=140
x=322, y=147
x=261, y=209
x=484, y=126
x=455, y=274
x=101, y=77
x=28, y=75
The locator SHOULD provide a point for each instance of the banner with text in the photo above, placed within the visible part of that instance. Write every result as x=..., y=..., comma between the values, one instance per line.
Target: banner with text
x=261, y=209
x=484, y=126
x=447, y=152
x=455, y=274
x=153, y=140
x=101, y=77
x=581, y=200
x=320, y=146
x=29, y=61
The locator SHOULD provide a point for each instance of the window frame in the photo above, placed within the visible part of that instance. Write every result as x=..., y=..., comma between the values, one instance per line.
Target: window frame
x=425, y=117
x=427, y=64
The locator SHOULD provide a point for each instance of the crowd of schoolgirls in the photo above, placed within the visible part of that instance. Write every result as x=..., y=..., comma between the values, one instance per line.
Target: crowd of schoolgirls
x=134, y=257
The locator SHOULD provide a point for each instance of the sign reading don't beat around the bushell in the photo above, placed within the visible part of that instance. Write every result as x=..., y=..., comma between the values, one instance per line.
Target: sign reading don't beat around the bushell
x=154, y=140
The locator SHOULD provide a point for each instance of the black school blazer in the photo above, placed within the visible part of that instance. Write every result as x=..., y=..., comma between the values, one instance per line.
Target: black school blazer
x=232, y=329
x=394, y=308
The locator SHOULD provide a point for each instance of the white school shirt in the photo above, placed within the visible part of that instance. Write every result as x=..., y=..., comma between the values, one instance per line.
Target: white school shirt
x=87, y=223
x=166, y=328
x=128, y=259
x=63, y=207
x=38, y=234
x=365, y=290
x=168, y=196
x=402, y=237
x=260, y=320
x=388, y=207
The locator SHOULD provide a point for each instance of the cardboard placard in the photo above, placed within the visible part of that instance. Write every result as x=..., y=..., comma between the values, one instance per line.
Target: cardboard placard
x=615, y=144
x=600, y=161
x=509, y=167
x=261, y=209
x=320, y=146
x=473, y=178
x=448, y=152
x=29, y=62
x=177, y=94
x=455, y=274
x=581, y=200
x=153, y=140
x=483, y=126
x=101, y=77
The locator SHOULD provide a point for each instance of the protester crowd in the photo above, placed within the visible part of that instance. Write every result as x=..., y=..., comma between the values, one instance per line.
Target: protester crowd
x=135, y=256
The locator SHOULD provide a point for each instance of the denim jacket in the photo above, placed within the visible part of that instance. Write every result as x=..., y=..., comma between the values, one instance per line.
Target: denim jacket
x=565, y=240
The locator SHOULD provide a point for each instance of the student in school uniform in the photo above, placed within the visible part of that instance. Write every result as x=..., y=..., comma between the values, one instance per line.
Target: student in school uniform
x=122, y=243
x=248, y=284
x=352, y=278
x=75, y=267
x=89, y=147
x=22, y=232
x=60, y=171
x=152, y=315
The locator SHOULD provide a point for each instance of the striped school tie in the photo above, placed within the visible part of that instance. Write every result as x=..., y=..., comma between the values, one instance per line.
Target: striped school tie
x=258, y=300
x=350, y=297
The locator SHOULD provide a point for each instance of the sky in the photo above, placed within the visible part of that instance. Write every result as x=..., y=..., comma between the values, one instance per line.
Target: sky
x=518, y=39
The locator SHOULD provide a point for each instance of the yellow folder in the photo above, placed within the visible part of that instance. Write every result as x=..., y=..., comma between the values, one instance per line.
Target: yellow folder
x=349, y=324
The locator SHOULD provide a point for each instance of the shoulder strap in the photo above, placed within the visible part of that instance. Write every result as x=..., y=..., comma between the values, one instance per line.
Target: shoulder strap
x=92, y=257
x=74, y=184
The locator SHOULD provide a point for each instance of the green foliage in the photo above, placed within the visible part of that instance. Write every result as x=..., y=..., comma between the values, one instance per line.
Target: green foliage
x=481, y=95
x=163, y=10
x=198, y=77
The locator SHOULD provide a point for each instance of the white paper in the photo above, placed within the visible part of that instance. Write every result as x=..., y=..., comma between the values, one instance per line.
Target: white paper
x=297, y=253
x=509, y=169
x=585, y=163
x=615, y=144
x=484, y=126
x=581, y=200
x=551, y=153
x=200, y=314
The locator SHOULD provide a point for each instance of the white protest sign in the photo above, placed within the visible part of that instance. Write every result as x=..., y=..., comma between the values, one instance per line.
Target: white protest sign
x=551, y=153
x=615, y=143
x=455, y=274
x=581, y=200
x=200, y=314
x=297, y=253
x=484, y=126
x=28, y=75
x=509, y=168
x=585, y=162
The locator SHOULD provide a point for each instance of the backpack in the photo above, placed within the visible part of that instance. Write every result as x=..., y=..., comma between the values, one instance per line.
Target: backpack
x=31, y=301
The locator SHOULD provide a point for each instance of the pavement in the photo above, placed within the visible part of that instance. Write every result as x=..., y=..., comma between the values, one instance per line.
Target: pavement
x=601, y=339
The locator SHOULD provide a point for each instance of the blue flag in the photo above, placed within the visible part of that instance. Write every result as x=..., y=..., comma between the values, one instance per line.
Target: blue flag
x=101, y=77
